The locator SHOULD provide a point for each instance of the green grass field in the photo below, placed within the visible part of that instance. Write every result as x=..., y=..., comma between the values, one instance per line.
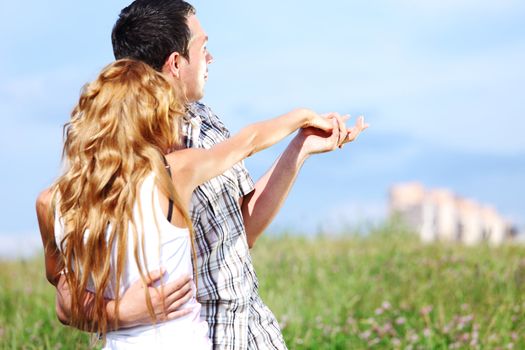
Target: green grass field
x=384, y=291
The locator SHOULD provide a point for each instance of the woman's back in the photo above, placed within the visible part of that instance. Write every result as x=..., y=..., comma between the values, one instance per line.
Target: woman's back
x=164, y=245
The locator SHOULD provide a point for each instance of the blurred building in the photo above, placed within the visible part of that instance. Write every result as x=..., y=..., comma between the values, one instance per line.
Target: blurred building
x=441, y=215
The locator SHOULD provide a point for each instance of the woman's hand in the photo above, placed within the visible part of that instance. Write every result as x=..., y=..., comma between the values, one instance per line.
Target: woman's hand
x=320, y=122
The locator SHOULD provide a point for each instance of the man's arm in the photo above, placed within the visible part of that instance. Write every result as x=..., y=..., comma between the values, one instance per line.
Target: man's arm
x=260, y=206
x=132, y=306
x=133, y=310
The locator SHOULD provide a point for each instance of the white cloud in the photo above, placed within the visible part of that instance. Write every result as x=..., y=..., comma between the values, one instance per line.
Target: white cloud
x=19, y=245
x=463, y=7
x=43, y=97
x=351, y=216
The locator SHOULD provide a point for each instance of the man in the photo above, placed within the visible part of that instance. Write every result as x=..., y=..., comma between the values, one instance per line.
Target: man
x=229, y=212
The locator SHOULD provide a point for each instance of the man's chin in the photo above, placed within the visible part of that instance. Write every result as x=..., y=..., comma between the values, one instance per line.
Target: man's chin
x=196, y=97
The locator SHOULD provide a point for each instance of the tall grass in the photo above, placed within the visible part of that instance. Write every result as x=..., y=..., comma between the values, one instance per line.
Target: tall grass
x=385, y=290
x=27, y=310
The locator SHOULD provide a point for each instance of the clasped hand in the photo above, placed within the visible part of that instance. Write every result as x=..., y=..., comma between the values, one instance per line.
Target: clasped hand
x=317, y=138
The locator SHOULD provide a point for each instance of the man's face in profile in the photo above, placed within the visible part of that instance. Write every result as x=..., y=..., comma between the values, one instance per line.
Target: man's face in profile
x=194, y=71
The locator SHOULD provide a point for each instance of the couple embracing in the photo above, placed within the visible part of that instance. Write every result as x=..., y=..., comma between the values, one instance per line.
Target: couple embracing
x=147, y=232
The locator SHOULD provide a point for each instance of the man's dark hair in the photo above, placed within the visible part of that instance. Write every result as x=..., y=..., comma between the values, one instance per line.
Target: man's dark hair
x=151, y=30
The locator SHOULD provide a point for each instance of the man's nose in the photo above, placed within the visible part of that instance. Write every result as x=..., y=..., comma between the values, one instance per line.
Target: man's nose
x=209, y=58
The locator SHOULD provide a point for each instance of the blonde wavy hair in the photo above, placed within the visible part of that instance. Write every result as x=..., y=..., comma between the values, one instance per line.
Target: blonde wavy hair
x=123, y=124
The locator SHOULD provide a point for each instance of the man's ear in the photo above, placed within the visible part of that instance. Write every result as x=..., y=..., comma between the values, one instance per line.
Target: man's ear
x=173, y=64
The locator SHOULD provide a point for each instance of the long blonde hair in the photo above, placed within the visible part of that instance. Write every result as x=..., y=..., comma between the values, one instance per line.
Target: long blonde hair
x=124, y=122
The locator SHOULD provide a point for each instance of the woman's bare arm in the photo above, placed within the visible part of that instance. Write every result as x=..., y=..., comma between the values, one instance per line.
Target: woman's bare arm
x=53, y=262
x=194, y=166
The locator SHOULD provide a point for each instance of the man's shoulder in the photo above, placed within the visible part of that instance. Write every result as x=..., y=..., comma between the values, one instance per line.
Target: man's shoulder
x=207, y=117
x=201, y=109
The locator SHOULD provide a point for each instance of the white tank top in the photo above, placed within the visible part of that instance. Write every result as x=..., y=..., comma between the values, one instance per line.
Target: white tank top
x=164, y=245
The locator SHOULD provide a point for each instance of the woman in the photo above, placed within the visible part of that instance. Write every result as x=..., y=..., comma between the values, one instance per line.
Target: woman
x=120, y=208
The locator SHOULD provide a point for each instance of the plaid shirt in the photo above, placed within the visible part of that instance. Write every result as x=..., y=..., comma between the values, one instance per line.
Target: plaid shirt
x=227, y=284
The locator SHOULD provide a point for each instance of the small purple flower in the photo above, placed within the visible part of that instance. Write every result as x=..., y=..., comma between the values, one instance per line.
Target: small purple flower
x=373, y=342
x=350, y=320
x=414, y=338
x=425, y=310
x=366, y=334
x=465, y=337
x=400, y=320
x=468, y=318
x=387, y=327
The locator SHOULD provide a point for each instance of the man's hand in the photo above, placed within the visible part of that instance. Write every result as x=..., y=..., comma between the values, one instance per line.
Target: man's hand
x=355, y=130
x=261, y=205
x=317, y=141
x=133, y=310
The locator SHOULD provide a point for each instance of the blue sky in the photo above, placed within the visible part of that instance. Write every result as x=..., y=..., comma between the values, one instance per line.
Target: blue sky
x=441, y=82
